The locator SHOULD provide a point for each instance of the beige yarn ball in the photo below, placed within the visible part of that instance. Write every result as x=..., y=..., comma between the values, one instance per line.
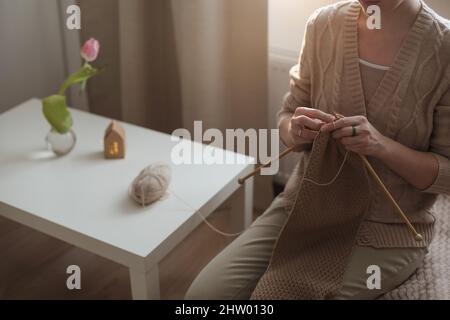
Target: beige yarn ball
x=151, y=184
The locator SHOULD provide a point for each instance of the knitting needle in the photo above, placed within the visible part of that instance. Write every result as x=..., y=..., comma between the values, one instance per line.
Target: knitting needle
x=417, y=236
x=279, y=157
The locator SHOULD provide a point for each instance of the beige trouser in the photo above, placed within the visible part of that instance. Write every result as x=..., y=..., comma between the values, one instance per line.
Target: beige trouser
x=234, y=273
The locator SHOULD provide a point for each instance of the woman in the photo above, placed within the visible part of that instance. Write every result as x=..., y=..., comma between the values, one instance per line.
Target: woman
x=393, y=85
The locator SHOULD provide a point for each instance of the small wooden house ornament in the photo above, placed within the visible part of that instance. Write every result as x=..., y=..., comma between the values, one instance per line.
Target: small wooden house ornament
x=114, y=141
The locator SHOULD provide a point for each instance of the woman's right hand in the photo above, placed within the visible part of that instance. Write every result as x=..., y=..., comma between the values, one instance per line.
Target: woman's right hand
x=305, y=125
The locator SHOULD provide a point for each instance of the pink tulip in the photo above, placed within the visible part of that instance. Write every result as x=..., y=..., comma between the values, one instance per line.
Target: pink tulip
x=90, y=50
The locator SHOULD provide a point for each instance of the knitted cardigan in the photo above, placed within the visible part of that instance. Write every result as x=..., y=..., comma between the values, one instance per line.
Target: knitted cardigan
x=411, y=106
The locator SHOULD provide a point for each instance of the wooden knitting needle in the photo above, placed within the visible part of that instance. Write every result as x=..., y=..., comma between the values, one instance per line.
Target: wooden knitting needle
x=257, y=170
x=417, y=236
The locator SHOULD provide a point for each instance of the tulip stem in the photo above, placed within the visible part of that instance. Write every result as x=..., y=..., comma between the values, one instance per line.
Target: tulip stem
x=82, y=75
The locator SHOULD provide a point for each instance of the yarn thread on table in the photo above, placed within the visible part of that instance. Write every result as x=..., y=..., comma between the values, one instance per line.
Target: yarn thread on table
x=153, y=183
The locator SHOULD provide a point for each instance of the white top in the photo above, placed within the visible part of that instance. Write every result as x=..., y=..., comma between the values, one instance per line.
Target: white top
x=82, y=198
x=373, y=65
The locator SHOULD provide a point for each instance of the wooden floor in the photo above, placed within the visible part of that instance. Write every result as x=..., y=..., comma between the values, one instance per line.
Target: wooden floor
x=33, y=265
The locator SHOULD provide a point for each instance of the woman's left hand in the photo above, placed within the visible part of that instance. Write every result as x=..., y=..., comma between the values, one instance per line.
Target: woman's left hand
x=358, y=135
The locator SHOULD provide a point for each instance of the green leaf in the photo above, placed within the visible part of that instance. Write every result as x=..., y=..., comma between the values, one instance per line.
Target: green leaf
x=57, y=113
x=81, y=76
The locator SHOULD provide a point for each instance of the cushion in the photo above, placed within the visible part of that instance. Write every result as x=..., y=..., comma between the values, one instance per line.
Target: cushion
x=432, y=280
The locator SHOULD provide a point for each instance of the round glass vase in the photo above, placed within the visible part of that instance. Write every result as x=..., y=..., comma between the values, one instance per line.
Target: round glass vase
x=61, y=143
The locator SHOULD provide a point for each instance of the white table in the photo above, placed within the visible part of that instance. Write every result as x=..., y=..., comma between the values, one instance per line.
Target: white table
x=82, y=198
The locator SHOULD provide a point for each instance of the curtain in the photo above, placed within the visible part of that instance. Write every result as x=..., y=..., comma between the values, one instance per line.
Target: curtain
x=223, y=58
x=141, y=81
x=171, y=62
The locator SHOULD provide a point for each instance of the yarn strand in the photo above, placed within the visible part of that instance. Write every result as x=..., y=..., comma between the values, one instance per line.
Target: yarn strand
x=233, y=235
x=198, y=212
x=334, y=178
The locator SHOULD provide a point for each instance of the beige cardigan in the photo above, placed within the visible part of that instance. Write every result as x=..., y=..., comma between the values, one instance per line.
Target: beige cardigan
x=411, y=106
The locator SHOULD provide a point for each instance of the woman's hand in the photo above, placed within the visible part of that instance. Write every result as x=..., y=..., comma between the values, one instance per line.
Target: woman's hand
x=418, y=168
x=305, y=125
x=358, y=135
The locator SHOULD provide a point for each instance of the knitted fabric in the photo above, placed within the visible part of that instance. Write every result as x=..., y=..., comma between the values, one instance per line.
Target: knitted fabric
x=314, y=247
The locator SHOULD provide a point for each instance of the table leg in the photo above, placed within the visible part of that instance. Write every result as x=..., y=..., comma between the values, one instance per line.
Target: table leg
x=145, y=286
x=242, y=207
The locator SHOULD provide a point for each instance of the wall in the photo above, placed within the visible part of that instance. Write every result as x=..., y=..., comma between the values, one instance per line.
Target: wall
x=31, y=56
x=440, y=6
x=287, y=20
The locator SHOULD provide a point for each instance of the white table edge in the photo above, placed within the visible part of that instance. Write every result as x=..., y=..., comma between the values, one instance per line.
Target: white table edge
x=71, y=237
